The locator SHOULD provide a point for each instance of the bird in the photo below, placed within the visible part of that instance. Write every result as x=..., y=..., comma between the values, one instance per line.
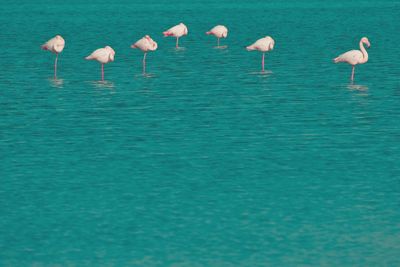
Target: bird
x=218, y=31
x=263, y=45
x=104, y=56
x=55, y=45
x=177, y=31
x=145, y=44
x=355, y=57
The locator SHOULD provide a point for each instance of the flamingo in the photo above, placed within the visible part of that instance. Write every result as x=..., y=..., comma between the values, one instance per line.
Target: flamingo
x=177, y=31
x=218, y=31
x=55, y=45
x=355, y=57
x=263, y=45
x=145, y=44
x=104, y=56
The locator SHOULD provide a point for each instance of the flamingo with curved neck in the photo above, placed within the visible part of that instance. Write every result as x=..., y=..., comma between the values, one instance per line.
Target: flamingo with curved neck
x=355, y=57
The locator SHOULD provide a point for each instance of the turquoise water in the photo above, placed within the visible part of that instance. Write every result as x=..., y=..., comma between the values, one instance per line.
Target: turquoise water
x=206, y=162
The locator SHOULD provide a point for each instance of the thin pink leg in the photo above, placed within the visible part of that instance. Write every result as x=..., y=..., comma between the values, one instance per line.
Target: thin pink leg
x=102, y=72
x=177, y=42
x=144, y=63
x=263, y=60
x=218, y=43
x=352, y=73
x=55, y=67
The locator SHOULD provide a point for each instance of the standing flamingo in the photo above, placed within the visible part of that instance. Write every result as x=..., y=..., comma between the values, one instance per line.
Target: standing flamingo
x=218, y=31
x=263, y=45
x=355, y=57
x=177, y=31
x=104, y=56
x=55, y=45
x=145, y=44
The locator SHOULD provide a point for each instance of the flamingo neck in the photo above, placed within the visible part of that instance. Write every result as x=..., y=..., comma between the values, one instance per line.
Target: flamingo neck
x=364, y=52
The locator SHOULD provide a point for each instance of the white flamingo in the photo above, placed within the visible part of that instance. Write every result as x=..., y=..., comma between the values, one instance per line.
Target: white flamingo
x=145, y=44
x=104, y=56
x=177, y=31
x=218, y=31
x=55, y=45
x=355, y=57
x=263, y=45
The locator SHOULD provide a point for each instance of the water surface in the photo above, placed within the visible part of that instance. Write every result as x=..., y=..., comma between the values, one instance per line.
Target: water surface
x=206, y=161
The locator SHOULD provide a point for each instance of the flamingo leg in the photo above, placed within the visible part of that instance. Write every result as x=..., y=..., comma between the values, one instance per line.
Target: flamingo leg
x=102, y=72
x=262, y=62
x=55, y=67
x=144, y=63
x=177, y=42
x=352, y=73
x=218, y=43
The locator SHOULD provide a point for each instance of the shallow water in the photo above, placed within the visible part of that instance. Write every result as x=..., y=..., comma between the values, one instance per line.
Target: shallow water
x=205, y=161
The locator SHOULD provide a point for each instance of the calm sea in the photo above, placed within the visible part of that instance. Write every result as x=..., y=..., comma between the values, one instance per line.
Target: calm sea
x=205, y=161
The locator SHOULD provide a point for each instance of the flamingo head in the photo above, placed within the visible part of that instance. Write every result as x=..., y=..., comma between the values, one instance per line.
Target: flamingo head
x=112, y=52
x=112, y=55
x=365, y=40
x=185, y=28
x=154, y=45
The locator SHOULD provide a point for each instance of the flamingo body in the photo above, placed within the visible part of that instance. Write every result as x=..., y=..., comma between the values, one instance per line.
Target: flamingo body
x=55, y=45
x=177, y=31
x=219, y=31
x=265, y=44
x=145, y=44
x=355, y=57
x=104, y=56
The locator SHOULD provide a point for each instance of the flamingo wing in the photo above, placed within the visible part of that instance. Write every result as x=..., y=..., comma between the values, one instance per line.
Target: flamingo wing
x=141, y=44
x=100, y=54
x=352, y=57
x=49, y=45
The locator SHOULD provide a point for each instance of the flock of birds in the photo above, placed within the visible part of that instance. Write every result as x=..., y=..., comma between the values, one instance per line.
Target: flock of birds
x=146, y=44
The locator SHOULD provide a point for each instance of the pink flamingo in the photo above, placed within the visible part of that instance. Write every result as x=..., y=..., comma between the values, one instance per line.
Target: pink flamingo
x=55, y=45
x=177, y=31
x=104, y=56
x=263, y=45
x=355, y=57
x=145, y=44
x=218, y=31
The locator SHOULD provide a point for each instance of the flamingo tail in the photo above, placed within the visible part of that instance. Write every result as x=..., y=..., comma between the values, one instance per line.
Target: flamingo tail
x=208, y=33
x=44, y=47
x=167, y=34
